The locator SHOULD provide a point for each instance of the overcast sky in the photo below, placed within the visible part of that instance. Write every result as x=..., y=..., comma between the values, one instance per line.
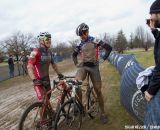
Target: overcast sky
x=61, y=17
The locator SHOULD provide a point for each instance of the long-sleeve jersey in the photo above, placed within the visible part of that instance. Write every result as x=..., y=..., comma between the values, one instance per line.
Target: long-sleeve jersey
x=89, y=50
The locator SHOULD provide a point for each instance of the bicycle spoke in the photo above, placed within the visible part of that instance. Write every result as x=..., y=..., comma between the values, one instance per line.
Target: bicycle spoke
x=33, y=119
x=72, y=117
x=93, y=105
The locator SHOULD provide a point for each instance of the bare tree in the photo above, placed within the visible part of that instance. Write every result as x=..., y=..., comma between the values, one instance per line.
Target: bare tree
x=108, y=38
x=148, y=41
x=17, y=43
x=63, y=49
x=131, y=41
x=140, y=33
x=1, y=55
x=74, y=43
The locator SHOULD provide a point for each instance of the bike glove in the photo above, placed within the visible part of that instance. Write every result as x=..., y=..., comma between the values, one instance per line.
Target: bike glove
x=37, y=82
x=60, y=76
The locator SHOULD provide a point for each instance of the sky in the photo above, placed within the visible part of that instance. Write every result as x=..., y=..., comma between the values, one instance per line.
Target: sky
x=61, y=17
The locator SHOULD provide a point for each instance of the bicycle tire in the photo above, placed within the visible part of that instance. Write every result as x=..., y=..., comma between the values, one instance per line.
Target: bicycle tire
x=92, y=103
x=72, y=110
x=47, y=122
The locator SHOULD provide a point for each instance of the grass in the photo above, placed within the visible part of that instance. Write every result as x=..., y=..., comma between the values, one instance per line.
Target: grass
x=118, y=117
x=143, y=57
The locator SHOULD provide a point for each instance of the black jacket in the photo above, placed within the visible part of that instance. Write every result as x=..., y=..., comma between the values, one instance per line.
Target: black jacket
x=154, y=85
x=10, y=61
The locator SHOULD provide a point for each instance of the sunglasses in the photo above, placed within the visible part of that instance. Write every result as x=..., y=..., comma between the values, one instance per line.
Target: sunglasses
x=47, y=38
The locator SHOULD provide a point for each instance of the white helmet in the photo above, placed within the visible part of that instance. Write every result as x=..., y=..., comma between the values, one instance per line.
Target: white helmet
x=42, y=35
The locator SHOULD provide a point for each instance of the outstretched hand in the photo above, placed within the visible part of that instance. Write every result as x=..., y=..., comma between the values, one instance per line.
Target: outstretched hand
x=37, y=82
x=148, y=96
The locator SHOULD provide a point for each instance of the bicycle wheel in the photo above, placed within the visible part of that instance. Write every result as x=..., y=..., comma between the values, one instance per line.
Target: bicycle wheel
x=92, y=103
x=33, y=120
x=69, y=116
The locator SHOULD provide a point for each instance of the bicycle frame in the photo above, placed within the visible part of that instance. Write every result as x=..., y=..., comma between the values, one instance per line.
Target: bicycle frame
x=46, y=102
x=87, y=92
x=65, y=92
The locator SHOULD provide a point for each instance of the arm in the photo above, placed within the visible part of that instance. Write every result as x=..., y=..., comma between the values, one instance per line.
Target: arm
x=55, y=67
x=31, y=63
x=153, y=85
x=107, y=48
x=156, y=33
x=75, y=54
x=74, y=57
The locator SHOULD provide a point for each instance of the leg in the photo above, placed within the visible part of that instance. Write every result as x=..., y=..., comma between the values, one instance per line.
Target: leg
x=97, y=88
x=13, y=71
x=10, y=73
x=96, y=80
x=22, y=69
x=80, y=75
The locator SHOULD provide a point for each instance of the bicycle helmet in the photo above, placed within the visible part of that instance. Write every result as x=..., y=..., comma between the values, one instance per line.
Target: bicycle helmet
x=42, y=35
x=81, y=29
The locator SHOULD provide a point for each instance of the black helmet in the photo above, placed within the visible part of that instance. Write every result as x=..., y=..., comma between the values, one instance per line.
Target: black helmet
x=81, y=29
x=155, y=7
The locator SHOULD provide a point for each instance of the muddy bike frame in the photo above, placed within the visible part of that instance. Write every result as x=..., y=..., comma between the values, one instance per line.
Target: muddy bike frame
x=61, y=85
x=91, y=107
x=45, y=111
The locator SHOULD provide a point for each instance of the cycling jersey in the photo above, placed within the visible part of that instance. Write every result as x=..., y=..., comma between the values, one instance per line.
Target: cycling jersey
x=88, y=49
x=41, y=58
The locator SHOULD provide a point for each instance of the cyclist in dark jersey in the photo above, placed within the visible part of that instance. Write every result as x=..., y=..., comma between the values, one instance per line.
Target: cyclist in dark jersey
x=88, y=48
x=38, y=65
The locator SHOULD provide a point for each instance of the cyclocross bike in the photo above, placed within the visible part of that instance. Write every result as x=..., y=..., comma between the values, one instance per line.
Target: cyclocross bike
x=69, y=116
x=40, y=115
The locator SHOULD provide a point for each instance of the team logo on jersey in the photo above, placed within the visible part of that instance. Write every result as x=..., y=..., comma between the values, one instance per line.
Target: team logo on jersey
x=45, y=58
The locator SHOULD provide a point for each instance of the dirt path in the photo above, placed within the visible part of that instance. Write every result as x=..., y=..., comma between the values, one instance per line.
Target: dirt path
x=13, y=101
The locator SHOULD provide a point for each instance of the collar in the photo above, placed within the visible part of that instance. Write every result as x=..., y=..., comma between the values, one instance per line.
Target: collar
x=89, y=39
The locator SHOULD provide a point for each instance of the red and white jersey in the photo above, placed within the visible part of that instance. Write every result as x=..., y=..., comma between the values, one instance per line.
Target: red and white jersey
x=41, y=58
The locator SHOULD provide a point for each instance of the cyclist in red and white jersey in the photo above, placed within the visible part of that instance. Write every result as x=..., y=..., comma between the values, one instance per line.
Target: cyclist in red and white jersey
x=38, y=65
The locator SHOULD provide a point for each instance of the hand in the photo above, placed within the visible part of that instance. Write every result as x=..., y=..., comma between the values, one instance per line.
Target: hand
x=37, y=82
x=101, y=61
x=148, y=97
x=79, y=65
x=60, y=76
x=152, y=22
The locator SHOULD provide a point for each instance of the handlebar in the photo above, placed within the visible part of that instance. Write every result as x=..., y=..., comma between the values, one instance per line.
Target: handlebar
x=73, y=82
x=66, y=77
